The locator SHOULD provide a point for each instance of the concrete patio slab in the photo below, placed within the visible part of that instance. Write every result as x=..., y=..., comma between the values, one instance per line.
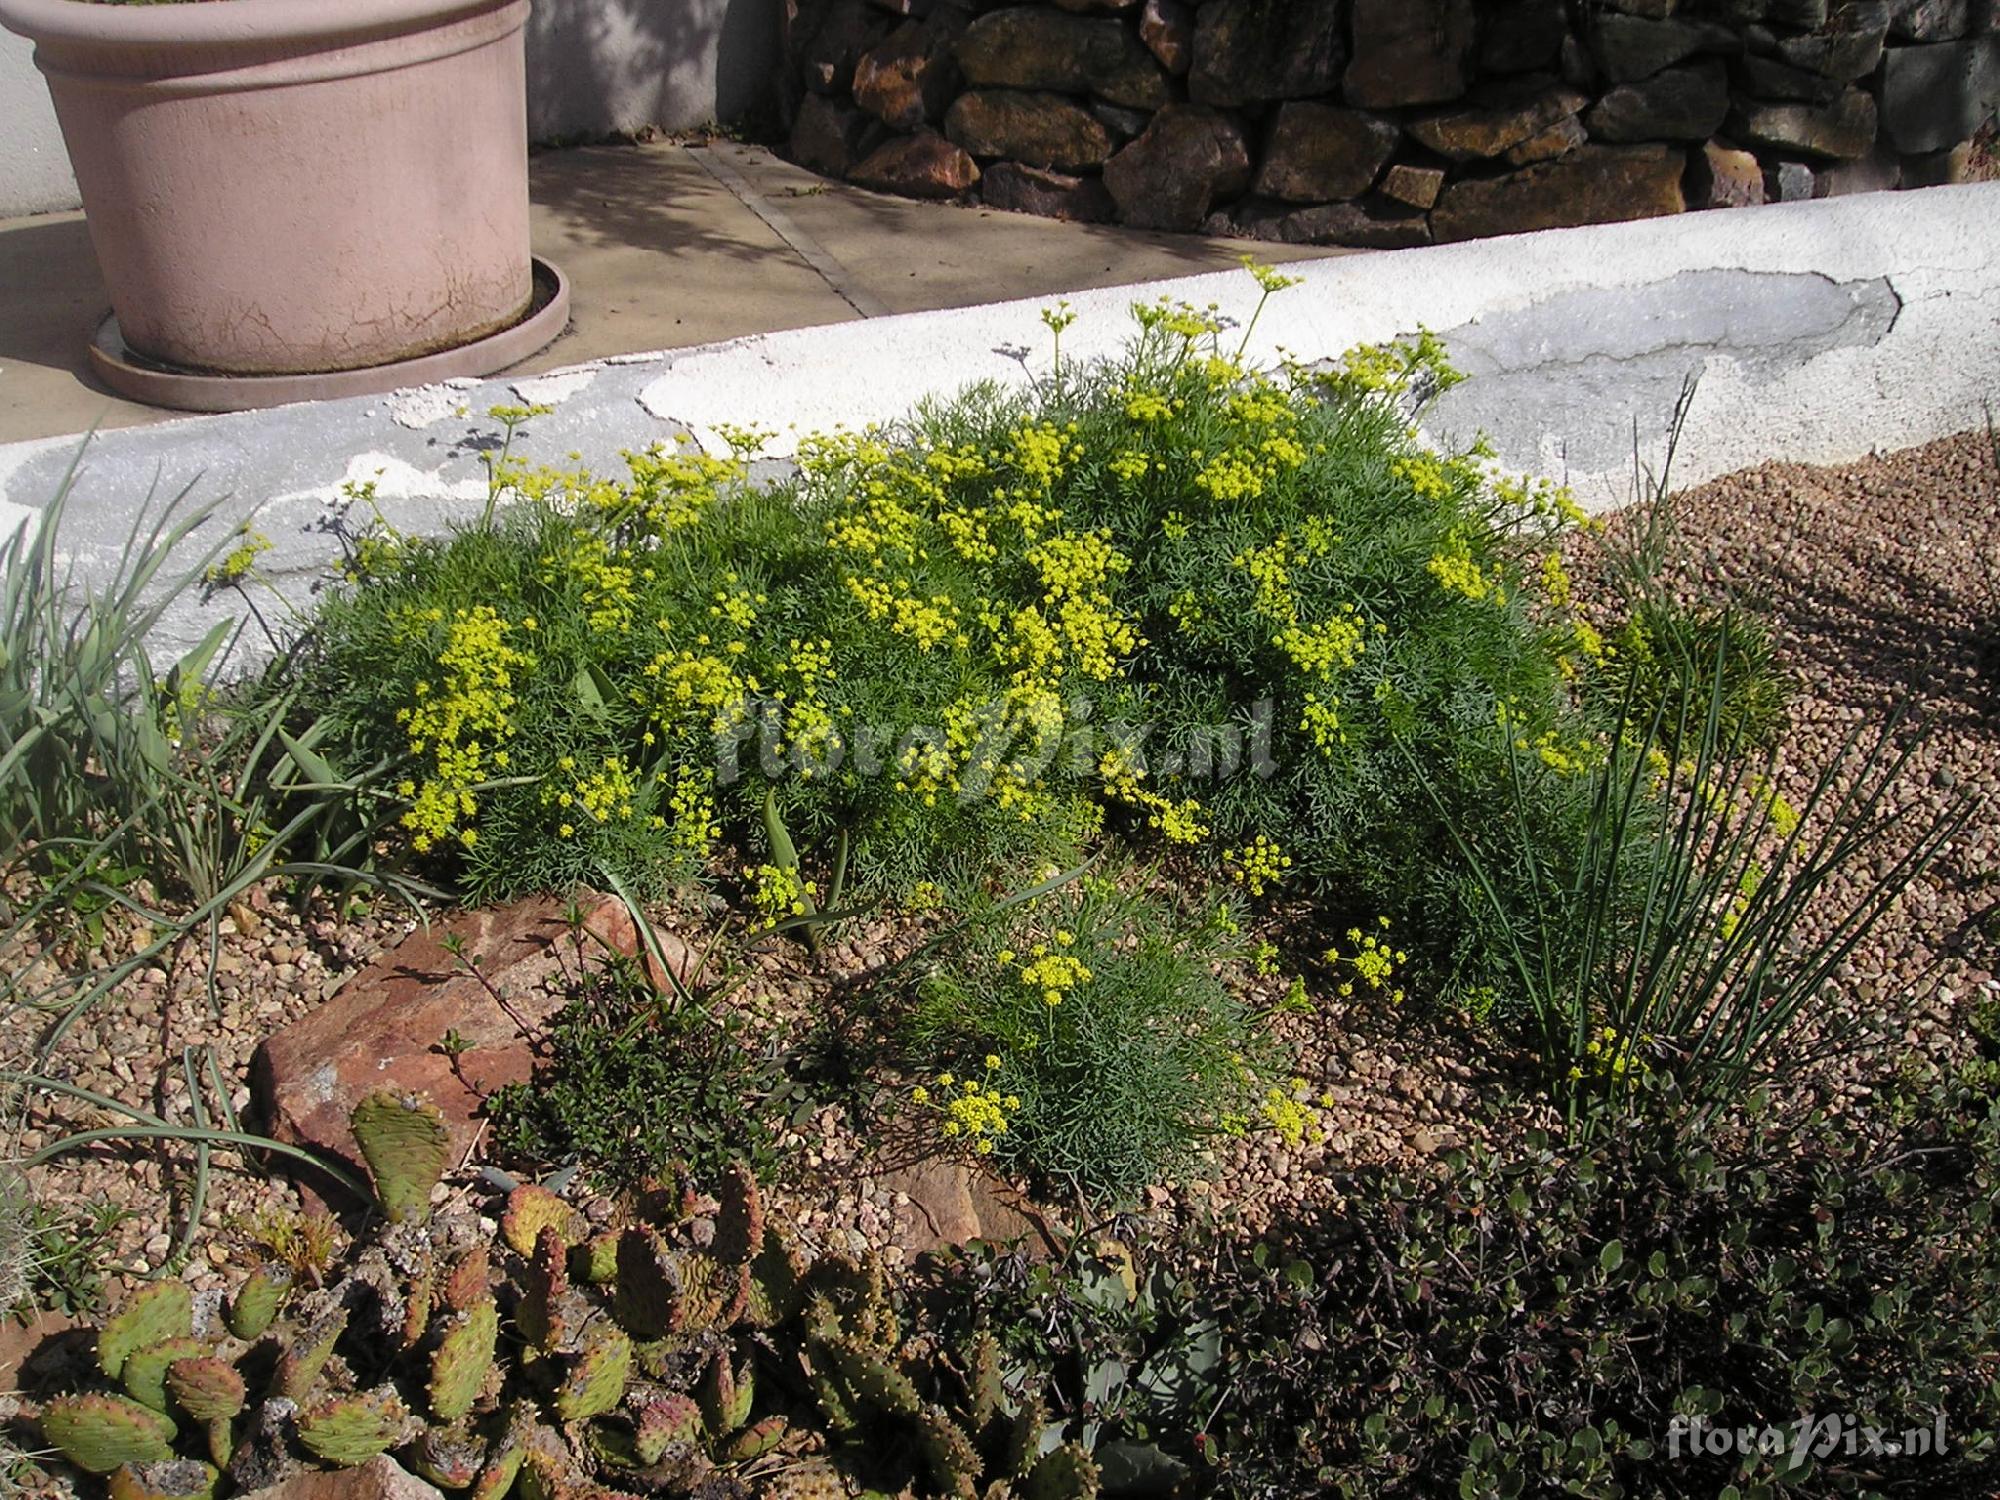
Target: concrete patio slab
x=666, y=246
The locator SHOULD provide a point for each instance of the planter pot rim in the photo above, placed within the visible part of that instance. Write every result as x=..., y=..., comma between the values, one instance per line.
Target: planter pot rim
x=209, y=24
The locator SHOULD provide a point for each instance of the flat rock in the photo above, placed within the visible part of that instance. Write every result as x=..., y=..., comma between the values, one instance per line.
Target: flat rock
x=1409, y=52
x=1844, y=127
x=1849, y=47
x=1024, y=47
x=1250, y=51
x=1595, y=185
x=1768, y=78
x=1035, y=129
x=1720, y=176
x=1319, y=152
x=1171, y=176
x=381, y=1478
x=952, y=1203
x=917, y=166
x=381, y=1029
x=1880, y=171
x=1052, y=195
x=1365, y=225
x=1522, y=36
x=1167, y=29
x=1416, y=185
x=1502, y=118
x=1938, y=168
x=1675, y=104
x=1936, y=94
x=1789, y=182
x=1632, y=47
x=910, y=77
x=1558, y=140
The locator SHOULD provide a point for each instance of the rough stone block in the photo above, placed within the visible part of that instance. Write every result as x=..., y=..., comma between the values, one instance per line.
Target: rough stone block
x=1498, y=118
x=1024, y=47
x=1675, y=104
x=1409, y=52
x=1167, y=28
x=1417, y=186
x=830, y=135
x=1522, y=36
x=1936, y=94
x=1842, y=129
x=1596, y=185
x=1035, y=129
x=1318, y=152
x=1628, y=48
x=923, y=165
x=1052, y=195
x=1720, y=176
x=1189, y=157
x=1248, y=51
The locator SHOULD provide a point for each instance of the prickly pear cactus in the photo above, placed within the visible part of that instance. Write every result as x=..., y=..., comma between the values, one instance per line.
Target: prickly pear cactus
x=532, y=1209
x=99, y=1432
x=548, y=1310
x=164, y=1310
x=726, y=1393
x=449, y=1457
x=407, y=1148
x=664, y=1422
x=350, y=1430
x=463, y=1360
x=1064, y=1473
x=258, y=1301
x=739, y=1218
x=646, y=1295
x=815, y=1479
x=596, y=1380
x=306, y=1353
x=167, y=1479
x=948, y=1452
x=144, y=1375
x=211, y=1391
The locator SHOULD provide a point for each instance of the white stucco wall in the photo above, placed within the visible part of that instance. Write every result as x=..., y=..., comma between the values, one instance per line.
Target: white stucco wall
x=34, y=168
x=594, y=67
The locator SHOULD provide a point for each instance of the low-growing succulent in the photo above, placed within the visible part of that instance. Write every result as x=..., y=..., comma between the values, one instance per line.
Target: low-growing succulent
x=407, y=1148
x=668, y=1356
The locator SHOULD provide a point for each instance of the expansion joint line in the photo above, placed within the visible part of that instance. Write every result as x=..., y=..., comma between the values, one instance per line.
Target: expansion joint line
x=780, y=223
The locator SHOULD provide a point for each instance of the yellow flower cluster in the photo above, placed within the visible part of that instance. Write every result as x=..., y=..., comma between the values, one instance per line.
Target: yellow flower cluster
x=974, y=1110
x=694, y=825
x=1257, y=864
x=1611, y=1057
x=462, y=725
x=778, y=892
x=1459, y=572
x=1052, y=971
x=1373, y=961
x=1293, y=1120
x=602, y=794
x=1182, y=822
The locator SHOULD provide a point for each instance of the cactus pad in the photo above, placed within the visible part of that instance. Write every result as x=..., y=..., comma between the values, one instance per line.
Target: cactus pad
x=206, y=1388
x=462, y=1360
x=167, y=1479
x=754, y=1441
x=530, y=1210
x=874, y=1382
x=949, y=1454
x=726, y=1393
x=713, y=1292
x=544, y=1313
x=258, y=1300
x=596, y=1379
x=1064, y=1473
x=647, y=1298
x=449, y=1457
x=985, y=1391
x=164, y=1310
x=417, y=1298
x=470, y=1281
x=857, y=1292
x=307, y=1353
x=597, y=1261
x=407, y=1148
x=774, y=1281
x=144, y=1375
x=663, y=1422
x=815, y=1479
x=739, y=1220
x=349, y=1430
x=98, y=1433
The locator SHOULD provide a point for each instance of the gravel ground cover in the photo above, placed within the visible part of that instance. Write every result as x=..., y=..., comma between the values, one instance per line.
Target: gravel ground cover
x=1881, y=581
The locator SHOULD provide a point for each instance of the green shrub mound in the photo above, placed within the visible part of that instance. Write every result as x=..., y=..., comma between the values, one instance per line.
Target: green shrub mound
x=1238, y=614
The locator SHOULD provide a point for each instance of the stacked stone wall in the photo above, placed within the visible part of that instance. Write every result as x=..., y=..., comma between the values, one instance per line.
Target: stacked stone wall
x=1386, y=122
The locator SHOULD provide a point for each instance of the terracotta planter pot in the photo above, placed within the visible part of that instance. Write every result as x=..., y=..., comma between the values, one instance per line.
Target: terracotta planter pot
x=292, y=186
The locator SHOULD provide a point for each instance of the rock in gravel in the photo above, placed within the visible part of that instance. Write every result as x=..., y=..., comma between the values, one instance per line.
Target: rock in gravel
x=381, y=1478
x=944, y=1202
x=383, y=1029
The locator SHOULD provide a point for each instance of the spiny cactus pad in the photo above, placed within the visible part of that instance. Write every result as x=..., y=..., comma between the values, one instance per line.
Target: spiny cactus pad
x=813, y=1479
x=948, y=1452
x=547, y=1306
x=306, y=1355
x=462, y=1360
x=258, y=1300
x=449, y=1457
x=470, y=1281
x=754, y=1441
x=531, y=1209
x=646, y=1299
x=206, y=1388
x=145, y=1374
x=596, y=1380
x=597, y=1261
x=713, y=1292
x=726, y=1393
x=662, y=1422
x=739, y=1220
x=98, y=1433
x=407, y=1148
x=168, y=1479
x=985, y=1392
x=775, y=1276
x=164, y=1310
x=1064, y=1473
x=870, y=1378
x=349, y=1430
